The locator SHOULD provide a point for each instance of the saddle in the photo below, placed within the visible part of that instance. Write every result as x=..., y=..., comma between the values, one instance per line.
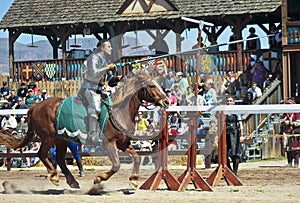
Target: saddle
x=71, y=119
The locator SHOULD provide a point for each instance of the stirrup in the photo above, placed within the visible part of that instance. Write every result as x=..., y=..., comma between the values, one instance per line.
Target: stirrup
x=93, y=137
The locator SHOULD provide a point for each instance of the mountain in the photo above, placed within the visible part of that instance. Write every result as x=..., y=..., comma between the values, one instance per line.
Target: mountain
x=43, y=50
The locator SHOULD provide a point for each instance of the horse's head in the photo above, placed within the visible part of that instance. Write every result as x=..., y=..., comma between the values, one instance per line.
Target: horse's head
x=150, y=91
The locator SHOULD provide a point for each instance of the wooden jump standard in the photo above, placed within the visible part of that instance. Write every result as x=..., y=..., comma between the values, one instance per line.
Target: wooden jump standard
x=162, y=172
x=191, y=174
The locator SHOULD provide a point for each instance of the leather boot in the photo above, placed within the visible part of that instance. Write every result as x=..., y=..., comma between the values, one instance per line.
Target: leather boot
x=228, y=164
x=235, y=162
x=80, y=167
x=93, y=130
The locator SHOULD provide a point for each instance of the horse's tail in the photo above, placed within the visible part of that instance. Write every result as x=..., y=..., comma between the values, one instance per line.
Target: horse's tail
x=30, y=132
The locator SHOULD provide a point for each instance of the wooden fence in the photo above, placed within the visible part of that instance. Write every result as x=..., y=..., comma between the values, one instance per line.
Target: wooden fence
x=55, y=89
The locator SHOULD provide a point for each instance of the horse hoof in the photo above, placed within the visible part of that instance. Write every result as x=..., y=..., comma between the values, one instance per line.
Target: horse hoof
x=133, y=184
x=97, y=180
x=55, y=182
x=75, y=185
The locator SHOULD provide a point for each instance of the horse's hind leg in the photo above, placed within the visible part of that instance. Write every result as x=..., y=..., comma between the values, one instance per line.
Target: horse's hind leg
x=61, y=149
x=43, y=155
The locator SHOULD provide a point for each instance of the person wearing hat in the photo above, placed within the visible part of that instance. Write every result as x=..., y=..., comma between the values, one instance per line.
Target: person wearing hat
x=182, y=81
x=22, y=91
x=43, y=96
x=4, y=89
x=20, y=117
x=5, y=104
x=34, y=88
x=31, y=98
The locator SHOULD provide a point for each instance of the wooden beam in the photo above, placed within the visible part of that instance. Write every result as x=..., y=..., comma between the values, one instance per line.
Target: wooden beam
x=13, y=36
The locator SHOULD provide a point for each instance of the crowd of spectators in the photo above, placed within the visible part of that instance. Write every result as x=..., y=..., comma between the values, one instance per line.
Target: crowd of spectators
x=13, y=124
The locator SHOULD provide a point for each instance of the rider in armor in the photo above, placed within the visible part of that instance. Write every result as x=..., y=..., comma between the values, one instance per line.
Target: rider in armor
x=98, y=71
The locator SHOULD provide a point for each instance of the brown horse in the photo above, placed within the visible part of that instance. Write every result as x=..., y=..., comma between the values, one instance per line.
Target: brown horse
x=42, y=122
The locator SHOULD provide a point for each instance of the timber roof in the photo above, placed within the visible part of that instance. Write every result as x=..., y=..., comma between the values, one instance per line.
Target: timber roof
x=25, y=13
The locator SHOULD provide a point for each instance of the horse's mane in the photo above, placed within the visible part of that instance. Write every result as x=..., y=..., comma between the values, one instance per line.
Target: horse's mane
x=128, y=86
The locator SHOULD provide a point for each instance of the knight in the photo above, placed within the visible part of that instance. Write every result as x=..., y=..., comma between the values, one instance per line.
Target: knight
x=98, y=71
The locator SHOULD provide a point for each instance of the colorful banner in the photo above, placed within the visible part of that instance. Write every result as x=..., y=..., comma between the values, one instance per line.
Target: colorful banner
x=50, y=70
x=26, y=72
x=38, y=70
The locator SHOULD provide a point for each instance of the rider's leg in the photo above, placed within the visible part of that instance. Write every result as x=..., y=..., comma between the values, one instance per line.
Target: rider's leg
x=89, y=98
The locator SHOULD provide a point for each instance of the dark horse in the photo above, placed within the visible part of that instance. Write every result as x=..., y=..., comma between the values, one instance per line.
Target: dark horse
x=42, y=122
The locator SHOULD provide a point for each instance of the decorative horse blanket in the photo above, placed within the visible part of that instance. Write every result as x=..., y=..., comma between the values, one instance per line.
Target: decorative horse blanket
x=71, y=119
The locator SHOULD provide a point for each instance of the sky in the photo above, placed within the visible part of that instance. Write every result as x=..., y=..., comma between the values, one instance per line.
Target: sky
x=144, y=39
x=4, y=6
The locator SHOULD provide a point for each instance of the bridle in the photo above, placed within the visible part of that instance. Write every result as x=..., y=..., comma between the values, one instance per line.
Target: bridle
x=156, y=101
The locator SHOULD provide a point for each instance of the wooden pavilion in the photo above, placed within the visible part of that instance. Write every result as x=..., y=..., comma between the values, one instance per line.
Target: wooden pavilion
x=58, y=19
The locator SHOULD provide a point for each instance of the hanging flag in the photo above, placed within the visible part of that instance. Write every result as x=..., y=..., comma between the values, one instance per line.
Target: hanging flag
x=208, y=63
x=50, y=70
x=38, y=70
x=26, y=72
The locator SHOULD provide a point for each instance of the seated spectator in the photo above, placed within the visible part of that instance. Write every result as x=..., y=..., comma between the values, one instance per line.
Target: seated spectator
x=176, y=91
x=173, y=99
x=5, y=104
x=183, y=100
x=175, y=123
x=31, y=161
x=229, y=83
x=267, y=83
x=170, y=80
x=20, y=117
x=256, y=91
x=248, y=99
x=31, y=98
x=43, y=96
x=210, y=94
x=13, y=99
x=34, y=88
x=9, y=124
x=22, y=91
x=5, y=89
x=182, y=81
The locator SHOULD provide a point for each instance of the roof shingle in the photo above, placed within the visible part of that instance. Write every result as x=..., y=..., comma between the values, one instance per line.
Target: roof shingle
x=57, y=12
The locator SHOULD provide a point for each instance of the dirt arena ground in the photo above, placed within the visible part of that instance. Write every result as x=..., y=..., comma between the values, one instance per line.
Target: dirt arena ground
x=263, y=181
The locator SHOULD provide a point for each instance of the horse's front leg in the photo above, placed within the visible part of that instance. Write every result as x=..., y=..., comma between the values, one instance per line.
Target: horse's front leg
x=112, y=152
x=133, y=179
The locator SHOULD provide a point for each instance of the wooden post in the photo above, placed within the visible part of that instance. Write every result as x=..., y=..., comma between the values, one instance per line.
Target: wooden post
x=162, y=172
x=191, y=174
x=222, y=169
